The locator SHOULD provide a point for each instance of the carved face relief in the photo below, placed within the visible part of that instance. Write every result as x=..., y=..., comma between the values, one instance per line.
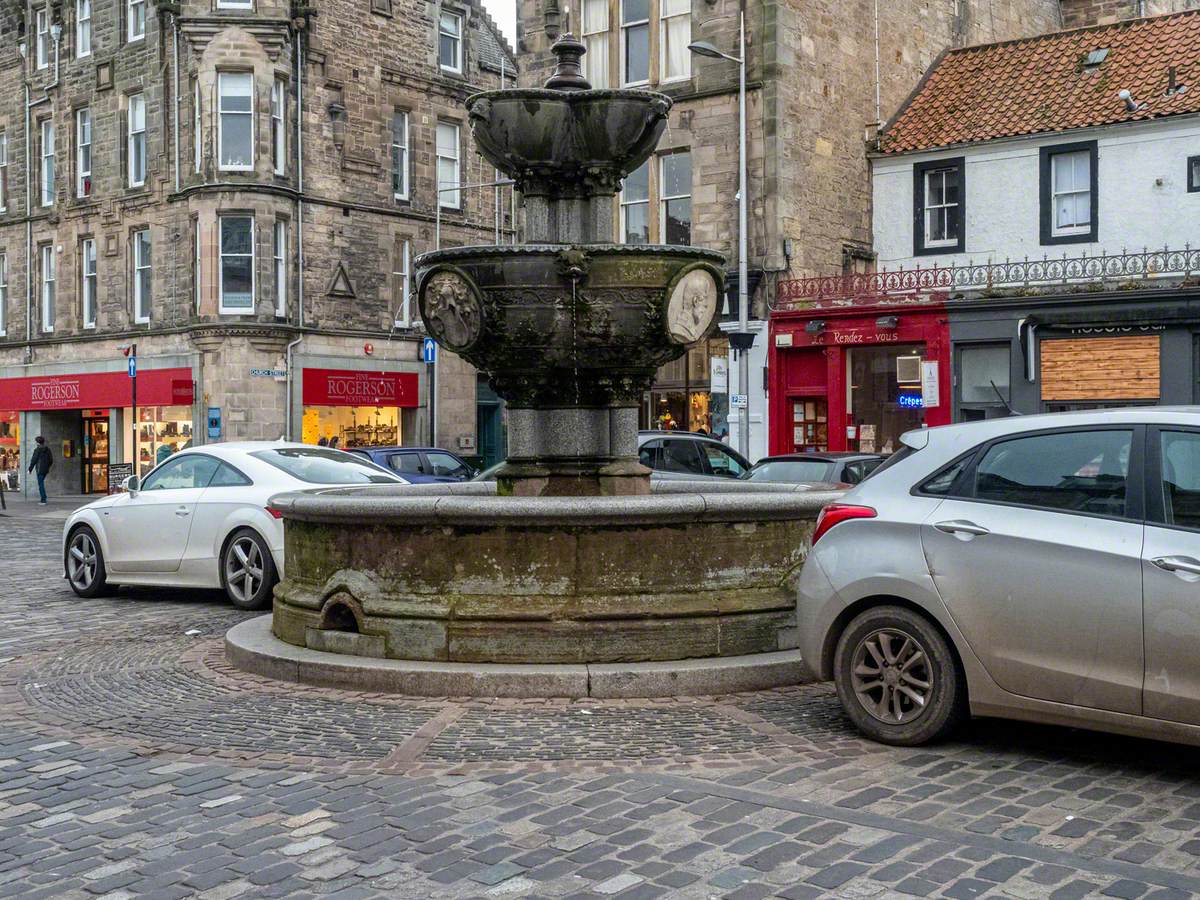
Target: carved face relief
x=451, y=310
x=692, y=306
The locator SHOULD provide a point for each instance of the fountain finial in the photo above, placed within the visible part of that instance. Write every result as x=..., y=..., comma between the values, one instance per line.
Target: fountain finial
x=568, y=71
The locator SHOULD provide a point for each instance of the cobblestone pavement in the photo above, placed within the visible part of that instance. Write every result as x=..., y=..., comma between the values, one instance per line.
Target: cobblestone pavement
x=134, y=761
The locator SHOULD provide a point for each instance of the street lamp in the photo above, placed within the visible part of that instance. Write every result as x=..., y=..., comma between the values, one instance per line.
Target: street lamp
x=704, y=48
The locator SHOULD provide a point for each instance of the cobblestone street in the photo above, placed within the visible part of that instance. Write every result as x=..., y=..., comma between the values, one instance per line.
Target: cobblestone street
x=134, y=761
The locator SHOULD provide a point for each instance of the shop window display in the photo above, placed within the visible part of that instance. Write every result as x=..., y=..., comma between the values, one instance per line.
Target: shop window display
x=10, y=450
x=881, y=406
x=162, y=431
x=353, y=426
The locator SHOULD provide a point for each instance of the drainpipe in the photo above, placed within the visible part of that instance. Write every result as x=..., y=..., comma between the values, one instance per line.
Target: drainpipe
x=175, y=89
x=30, y=103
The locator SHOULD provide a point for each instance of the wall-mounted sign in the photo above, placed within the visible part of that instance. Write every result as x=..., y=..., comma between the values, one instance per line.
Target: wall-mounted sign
x=155, y=387
x=214, y=423
x=268, y=373
x=737, y=401
x=718, y=375
x=344, y=387
x=930, y=384
x=910, y=401
x=784, y=339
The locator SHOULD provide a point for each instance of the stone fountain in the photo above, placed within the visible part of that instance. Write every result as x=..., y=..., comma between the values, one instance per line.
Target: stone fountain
x=569, y=575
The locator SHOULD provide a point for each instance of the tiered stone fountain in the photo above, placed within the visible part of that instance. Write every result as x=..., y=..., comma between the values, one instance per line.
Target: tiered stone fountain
x=569, y=576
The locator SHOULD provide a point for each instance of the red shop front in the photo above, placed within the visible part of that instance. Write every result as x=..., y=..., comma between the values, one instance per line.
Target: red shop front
x=856, y=377
x=357, y=408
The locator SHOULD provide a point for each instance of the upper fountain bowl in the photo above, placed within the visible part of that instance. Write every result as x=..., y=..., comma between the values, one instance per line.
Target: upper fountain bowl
x=566, y=140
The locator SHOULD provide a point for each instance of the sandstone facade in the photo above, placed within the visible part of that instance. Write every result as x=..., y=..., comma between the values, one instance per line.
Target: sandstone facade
x=332, y=229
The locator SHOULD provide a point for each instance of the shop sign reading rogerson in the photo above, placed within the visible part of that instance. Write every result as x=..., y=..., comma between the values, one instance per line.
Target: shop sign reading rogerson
x=102, y=390
x=344, y=387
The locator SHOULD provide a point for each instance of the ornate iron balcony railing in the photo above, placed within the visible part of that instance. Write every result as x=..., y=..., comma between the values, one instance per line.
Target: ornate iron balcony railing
x=938, y=282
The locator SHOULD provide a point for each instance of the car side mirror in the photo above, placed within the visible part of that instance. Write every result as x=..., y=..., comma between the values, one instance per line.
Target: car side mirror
x=131, y=485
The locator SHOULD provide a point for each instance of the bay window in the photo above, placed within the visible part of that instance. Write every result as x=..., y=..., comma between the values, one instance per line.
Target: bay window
x=635, y=206
x=87, y=281
x=635, y=41
x=448, y=166
x=674, y=35
x=237, y=264
x=136, y=140
x=83, y=153
x=141, y=276
x=595, y=38
x=235, y=121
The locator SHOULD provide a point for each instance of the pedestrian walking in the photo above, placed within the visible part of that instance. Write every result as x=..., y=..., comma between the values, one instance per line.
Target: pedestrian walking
x=323, y=441
x=41, y=460
x=334, y=443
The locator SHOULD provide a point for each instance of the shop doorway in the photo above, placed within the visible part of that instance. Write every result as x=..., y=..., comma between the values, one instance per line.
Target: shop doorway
x=810, y=425
x=489, y=424
x=95, y=452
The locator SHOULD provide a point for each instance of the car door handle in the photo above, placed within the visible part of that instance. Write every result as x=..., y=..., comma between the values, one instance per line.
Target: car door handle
x=182, y=511
x=961, y=526
x=1177, y=564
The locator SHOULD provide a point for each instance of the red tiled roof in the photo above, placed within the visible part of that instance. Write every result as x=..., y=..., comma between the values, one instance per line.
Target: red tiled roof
x=1040, y=84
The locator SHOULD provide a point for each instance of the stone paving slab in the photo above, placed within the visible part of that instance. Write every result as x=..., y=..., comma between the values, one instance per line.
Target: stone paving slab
x=134, y=761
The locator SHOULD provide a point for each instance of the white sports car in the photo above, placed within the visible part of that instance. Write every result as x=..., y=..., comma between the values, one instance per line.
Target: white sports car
x=200, y=519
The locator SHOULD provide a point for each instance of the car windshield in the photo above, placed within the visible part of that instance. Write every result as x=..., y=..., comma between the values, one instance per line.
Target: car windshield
x=320, y=466
x=792, y=470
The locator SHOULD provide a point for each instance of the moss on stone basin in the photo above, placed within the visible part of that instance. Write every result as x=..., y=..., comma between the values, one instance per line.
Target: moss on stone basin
x=466, y=577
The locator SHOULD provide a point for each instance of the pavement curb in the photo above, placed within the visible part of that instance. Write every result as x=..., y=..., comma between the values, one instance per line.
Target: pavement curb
x=252, y=647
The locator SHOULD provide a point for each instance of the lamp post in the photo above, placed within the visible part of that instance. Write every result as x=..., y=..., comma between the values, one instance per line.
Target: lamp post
x=745, y=339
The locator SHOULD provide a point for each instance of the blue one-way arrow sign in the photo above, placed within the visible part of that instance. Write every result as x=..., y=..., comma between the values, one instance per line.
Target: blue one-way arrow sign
x=429, y=350
x=133, y=367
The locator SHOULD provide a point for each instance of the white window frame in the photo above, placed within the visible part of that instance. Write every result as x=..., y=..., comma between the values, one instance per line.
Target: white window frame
x=88, y=282
x=278, y=126
x=625, y=204
x=625, y=29
x=235, y=4
x=3, y=294
x=197, y=138
x=402, y=275
x=457, y=37
x=83, y=153
x=400, y=156
x=597, y=42
x=1069, y=230
x=42, y=20
x=937, y=208
x=196, y=282
x=279, y=245
x=236, y=310
x=3, y=171
x=665, y=198
x=664, y=48
x=83, y=28
x=449, y=199
x=46, y=172
x=222, y=113
x=135, y=16
x=49, y=278
x=142, y=299
x=136, y=140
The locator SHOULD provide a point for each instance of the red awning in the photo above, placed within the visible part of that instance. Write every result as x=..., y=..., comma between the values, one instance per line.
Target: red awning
x=155, y=387
x=344, y=387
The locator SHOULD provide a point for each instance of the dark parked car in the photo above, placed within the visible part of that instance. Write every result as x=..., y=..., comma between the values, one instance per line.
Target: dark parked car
x=838, y=468
x=688, y=455
x=420, y=465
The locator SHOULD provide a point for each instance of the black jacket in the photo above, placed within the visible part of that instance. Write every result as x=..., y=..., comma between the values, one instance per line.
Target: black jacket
x=41, y=459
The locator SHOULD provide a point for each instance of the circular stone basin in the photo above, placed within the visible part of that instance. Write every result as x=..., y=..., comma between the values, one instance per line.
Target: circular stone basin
x=454, y=573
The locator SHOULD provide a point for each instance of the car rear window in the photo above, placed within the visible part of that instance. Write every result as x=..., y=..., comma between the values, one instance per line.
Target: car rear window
x=792, y=470
x=903, y=453
x=317, y=465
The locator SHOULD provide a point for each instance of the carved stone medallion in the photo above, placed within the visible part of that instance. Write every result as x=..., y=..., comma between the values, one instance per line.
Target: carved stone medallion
x=692, y=306
x=451, y=310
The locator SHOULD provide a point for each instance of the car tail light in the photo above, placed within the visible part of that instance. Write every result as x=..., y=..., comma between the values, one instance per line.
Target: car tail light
x=276, y=513
x=835, y=513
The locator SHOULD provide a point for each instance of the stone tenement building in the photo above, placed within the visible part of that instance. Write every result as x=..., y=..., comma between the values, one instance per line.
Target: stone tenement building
x=238, y=188
x=1080, y=13
x=821, y=76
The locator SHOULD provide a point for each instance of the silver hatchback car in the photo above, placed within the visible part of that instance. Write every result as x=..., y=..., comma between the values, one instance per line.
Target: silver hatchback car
x=1044, y=568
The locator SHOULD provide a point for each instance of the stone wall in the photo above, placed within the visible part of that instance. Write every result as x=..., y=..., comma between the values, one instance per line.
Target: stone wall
x=1079, y=13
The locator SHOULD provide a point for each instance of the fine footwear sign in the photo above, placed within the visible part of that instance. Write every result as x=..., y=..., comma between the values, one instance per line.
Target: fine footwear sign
x=344, y=387
x=101, y=390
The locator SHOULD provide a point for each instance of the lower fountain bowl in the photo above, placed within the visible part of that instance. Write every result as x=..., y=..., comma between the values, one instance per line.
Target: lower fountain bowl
x=453, y=573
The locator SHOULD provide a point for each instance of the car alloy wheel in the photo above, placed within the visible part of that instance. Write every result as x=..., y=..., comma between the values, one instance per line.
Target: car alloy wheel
x=244, y=574
x=82, y=561
x=891, y=676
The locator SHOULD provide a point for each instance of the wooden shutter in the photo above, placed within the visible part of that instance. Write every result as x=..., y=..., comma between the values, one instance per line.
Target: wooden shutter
x=1101, y=368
